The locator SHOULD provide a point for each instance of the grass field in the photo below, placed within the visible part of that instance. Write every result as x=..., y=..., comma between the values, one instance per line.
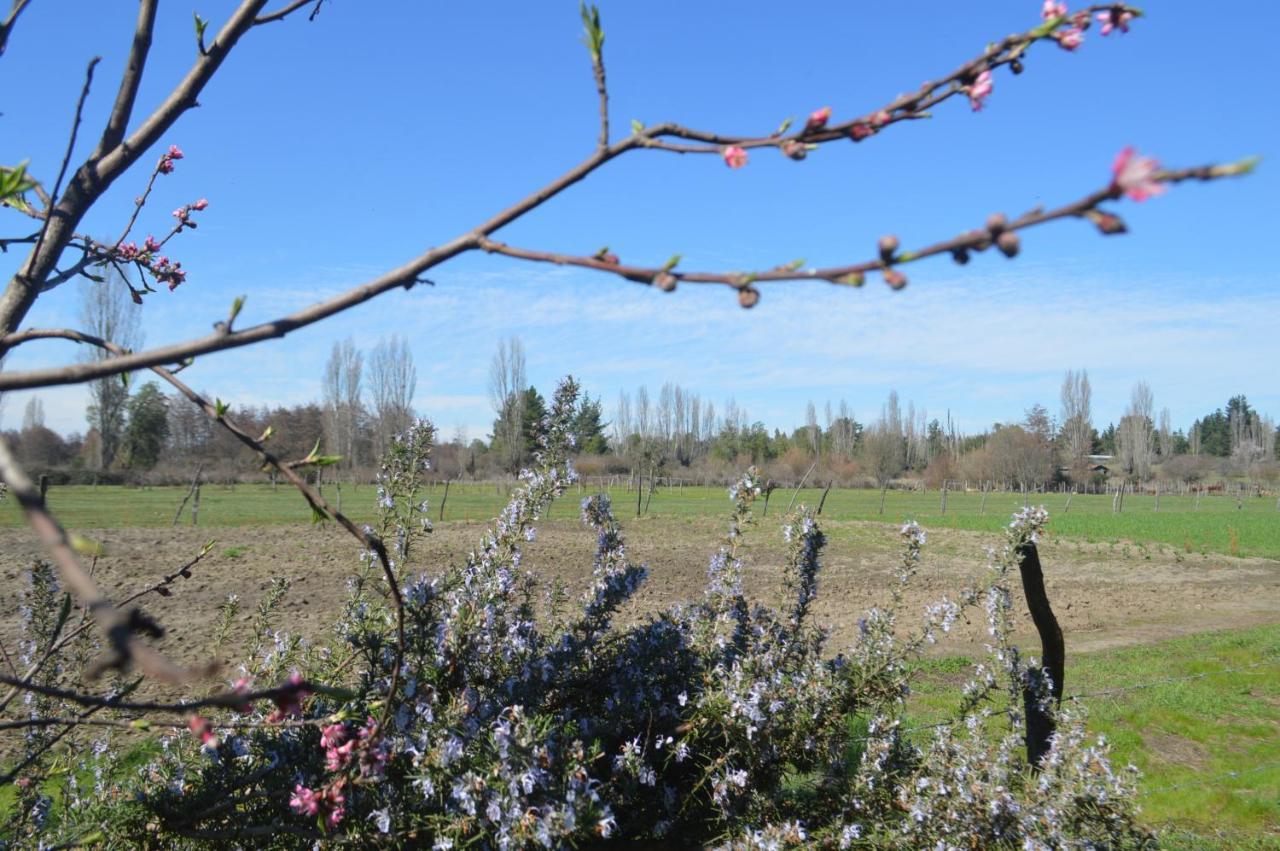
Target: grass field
x=1215, y=525
x=1199, y=716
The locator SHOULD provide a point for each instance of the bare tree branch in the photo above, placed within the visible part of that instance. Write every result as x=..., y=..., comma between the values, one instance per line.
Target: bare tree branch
x=6, y=26
x=904, y=107
x=160, y=587
x=130, y=80
x=118, y=626
x=96, y=175
x=367, y=540
x=665, y=277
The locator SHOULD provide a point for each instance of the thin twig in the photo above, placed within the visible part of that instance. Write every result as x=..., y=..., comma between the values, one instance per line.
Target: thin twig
x=975, y=240
x=118, y=626
x=159, y=587
x=852, y=274
x=223, y=700
x=368, y=540
x=286, y=11
x=66, y=157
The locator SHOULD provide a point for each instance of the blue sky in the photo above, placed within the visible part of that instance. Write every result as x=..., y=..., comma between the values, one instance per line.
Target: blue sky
x=331, y=151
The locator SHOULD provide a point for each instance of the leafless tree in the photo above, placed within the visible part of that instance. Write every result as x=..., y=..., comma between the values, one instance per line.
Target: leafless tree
x=812, y=433
x=882, y=453
x=1077, y=416
x=33, y=414
x=1165, y=434
x=843, y=435
x=107, y=311
x=1133, y=438
x=392, y=381
x=644, y=413
x=507, y=383
x=341, y=388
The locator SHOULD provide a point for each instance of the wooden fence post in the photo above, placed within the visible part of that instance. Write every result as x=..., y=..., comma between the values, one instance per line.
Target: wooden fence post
x=1040, y=723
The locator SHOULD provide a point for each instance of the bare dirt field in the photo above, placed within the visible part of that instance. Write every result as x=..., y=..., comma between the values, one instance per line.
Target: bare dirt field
x=1106, y=596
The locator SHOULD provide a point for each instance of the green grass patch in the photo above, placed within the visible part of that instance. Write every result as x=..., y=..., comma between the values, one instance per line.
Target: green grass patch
x=1188, y=526
x=1199, y=716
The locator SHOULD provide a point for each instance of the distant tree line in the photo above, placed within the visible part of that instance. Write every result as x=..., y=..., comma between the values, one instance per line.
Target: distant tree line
x=674, y=432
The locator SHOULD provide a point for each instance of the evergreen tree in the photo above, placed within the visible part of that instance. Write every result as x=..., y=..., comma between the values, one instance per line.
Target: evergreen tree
x=589, y=426
x=147, y=428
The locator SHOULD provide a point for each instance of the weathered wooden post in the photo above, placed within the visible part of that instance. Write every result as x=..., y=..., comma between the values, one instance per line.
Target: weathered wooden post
x=1040, y=719
x=444, y=499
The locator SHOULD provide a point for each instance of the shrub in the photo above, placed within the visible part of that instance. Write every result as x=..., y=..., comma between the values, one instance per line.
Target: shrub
x=716, y=721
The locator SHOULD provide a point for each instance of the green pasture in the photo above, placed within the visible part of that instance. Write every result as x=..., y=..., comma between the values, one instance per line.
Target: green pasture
x=1217, y=524
x=1199, y=717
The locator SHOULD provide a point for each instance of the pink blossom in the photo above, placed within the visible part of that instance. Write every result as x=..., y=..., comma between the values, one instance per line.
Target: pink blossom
x=240, y=686
x=304, y=802
x=1053, y=9
x=1135, y=176
x=181, y=213
x=201, y=729
x=881, y=118
x=201, y=204
x=1114, y=20
x=175, y=153
x=128, y=250
x=1071, y=38
x=734, y=156
x=818, y=118
x=337, y=757
x=151, y=245
x=980, y=89
x=333, y=735
x=165, y=166
x=335, y=801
